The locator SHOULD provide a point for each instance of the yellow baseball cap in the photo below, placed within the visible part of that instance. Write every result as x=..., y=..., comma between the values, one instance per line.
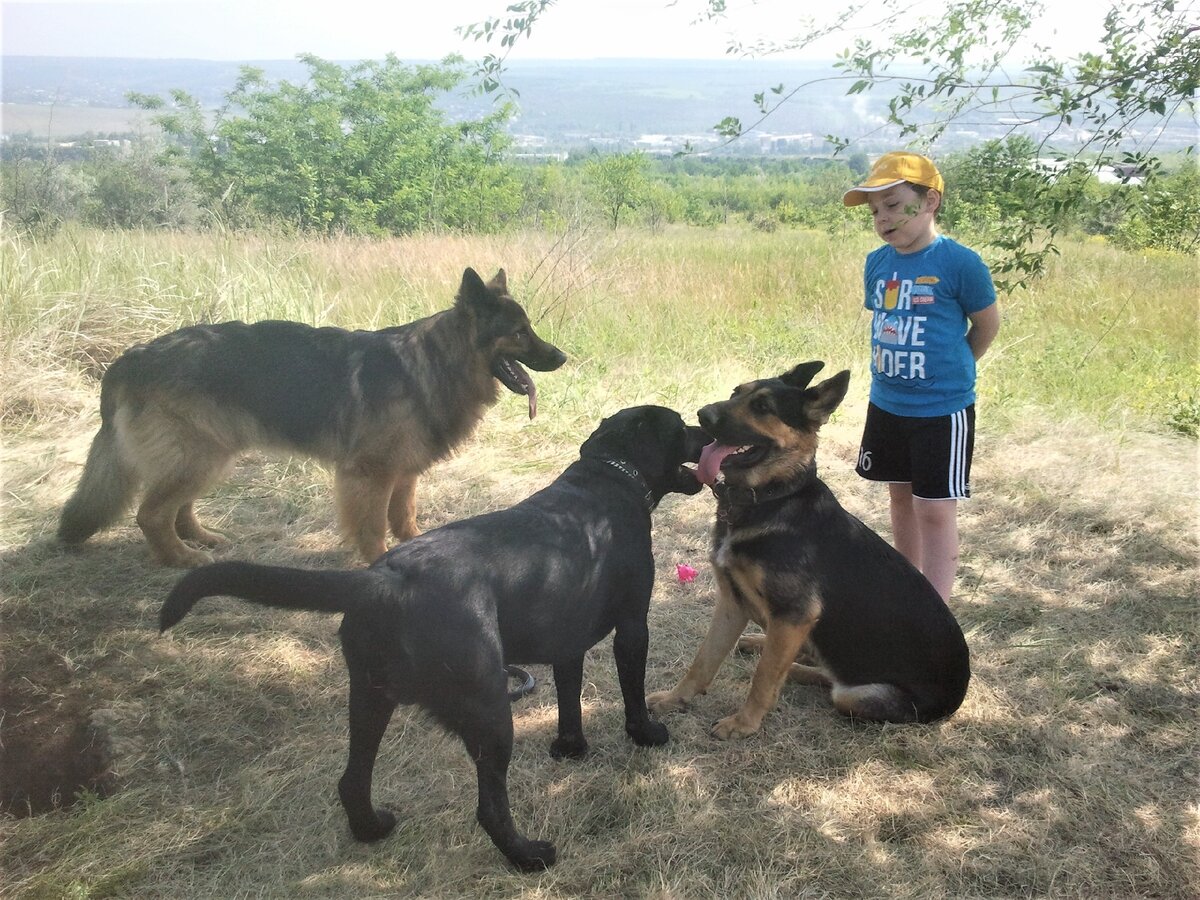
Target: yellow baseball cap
x=896, y=168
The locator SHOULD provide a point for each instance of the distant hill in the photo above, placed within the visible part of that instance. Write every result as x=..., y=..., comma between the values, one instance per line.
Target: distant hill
x=655, y=105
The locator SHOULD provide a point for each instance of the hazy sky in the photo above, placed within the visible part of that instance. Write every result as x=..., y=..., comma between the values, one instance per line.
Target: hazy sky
x=425, y=29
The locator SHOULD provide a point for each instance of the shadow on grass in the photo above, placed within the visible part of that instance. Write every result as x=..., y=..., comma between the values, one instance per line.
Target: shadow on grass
x=1070, y=770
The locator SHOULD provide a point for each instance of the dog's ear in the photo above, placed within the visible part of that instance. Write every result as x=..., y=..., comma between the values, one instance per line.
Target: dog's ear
x=822, y=400
x=499, y=282
x=802, y=374
x=472, y=289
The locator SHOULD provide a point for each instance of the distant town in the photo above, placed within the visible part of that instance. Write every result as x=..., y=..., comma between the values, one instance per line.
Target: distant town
x=659, y=107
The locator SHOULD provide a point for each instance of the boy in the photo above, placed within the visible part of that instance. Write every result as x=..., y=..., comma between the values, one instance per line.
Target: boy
x=933, y=316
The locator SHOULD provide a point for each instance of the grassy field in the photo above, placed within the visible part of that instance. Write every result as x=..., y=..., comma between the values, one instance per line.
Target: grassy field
x=64, y=122
x=1070, y=771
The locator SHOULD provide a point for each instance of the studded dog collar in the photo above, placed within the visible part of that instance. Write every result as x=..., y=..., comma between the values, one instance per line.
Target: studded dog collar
x=629, y=471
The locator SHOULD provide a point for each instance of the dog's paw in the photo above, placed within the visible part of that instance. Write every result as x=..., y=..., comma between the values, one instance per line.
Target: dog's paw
x=665, y=701
x=751, y=643
x=534, y=856
x=569, y=747
x=369, y=831
x=185, y=557
x=733, y=728
x=648, y=733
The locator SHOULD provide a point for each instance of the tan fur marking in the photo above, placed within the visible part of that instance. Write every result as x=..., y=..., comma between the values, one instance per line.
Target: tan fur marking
x=750, y=580
x=807, y=668
x=362, y=504
x=402, y=508
x=783, y=642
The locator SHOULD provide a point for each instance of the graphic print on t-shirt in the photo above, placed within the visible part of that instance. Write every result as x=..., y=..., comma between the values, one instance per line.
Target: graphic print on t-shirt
x=898, y=333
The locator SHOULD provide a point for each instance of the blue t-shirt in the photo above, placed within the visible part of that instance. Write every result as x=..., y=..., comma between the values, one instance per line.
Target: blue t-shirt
x=921, y=364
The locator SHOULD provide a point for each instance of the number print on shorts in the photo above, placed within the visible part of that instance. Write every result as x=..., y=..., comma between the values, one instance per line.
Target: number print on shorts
x=864, y=460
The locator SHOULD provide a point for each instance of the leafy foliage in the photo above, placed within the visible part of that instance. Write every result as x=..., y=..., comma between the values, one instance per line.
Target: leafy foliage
x=1082, y=114
x=617, y=182
x=360, y=149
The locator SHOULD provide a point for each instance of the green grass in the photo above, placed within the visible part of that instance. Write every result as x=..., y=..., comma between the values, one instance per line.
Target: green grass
x=1069, y=771
x=1106, y=335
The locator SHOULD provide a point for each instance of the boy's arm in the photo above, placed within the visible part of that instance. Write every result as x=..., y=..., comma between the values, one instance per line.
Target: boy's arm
x=985, y=324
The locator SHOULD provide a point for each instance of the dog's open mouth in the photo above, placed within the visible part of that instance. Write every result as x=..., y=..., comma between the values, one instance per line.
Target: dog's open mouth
x=716, y=456
x=514, y=377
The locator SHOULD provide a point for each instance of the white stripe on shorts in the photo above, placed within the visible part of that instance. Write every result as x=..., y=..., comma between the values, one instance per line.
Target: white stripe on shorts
x=958, y=455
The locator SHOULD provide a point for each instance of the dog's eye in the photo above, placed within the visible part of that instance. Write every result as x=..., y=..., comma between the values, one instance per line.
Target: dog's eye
x=760, y=405
x=521, y=333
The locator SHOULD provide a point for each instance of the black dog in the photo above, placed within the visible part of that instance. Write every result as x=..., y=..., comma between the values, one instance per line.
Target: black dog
x=434, y=621
x=816, y=579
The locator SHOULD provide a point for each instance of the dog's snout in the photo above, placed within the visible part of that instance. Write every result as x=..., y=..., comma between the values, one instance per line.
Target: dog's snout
x=708, y=415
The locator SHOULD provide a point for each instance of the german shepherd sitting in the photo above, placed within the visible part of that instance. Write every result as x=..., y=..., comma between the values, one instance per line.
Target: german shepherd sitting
x=381, y=406
x=435, y=620
x=815, y=578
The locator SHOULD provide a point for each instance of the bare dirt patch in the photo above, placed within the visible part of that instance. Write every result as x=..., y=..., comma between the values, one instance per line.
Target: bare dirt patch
x=54, y=748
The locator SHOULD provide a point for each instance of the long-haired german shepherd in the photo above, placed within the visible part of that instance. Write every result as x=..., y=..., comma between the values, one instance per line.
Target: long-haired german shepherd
x=381, y=406
x=816, y=579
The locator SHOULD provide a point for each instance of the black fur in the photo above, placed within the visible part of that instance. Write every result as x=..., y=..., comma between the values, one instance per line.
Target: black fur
x=435, y=620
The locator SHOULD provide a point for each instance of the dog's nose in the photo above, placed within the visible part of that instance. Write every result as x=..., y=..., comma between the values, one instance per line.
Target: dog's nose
x=707, y=416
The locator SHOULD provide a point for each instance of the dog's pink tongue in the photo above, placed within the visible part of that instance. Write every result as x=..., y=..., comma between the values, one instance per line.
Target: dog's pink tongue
x=710, y=462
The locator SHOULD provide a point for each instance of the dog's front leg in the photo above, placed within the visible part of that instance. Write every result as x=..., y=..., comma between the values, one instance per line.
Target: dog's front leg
x=728, y=621
x=363, y=494
x=630, y=645
x=568, y=685
x=783, y=641
x=402, y=508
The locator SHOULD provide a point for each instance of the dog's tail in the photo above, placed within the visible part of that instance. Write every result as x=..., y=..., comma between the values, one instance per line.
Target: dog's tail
x=280, y=586
x=107, y=485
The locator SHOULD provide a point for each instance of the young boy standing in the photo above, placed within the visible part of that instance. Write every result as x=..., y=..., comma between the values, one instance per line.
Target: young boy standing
x=933, y=316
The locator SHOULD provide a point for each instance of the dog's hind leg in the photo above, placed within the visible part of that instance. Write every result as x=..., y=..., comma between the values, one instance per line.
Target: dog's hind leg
x=877, y=702
x=803, y=670
x=370, y=711
x=484, y=722
x=188, y=527
x=402, y=508
x=162, y=507
x=363, y=496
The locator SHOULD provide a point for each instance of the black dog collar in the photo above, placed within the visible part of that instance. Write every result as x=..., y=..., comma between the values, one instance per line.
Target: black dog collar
x=630, y=472
x=730, y=497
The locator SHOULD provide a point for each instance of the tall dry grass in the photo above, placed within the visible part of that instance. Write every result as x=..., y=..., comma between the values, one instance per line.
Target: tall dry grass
x=1070, y=771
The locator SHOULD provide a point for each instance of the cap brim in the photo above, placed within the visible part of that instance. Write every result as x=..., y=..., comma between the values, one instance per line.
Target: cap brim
x=858, y=196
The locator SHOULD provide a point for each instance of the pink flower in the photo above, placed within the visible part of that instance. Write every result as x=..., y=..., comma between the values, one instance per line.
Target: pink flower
x=685, y=573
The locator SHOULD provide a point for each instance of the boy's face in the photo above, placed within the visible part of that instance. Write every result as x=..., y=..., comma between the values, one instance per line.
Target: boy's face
x=903, y=218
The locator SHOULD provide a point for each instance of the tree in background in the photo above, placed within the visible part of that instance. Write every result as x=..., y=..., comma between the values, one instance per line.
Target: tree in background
x=617, y=182
x=360, y=150
x=37, y=194
x=1102, y=108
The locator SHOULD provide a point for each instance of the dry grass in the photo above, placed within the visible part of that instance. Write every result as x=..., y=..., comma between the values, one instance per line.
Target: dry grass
x=1070, y=771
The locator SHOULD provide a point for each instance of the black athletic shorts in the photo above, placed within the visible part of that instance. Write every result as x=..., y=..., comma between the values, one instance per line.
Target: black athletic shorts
x=932, y=454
